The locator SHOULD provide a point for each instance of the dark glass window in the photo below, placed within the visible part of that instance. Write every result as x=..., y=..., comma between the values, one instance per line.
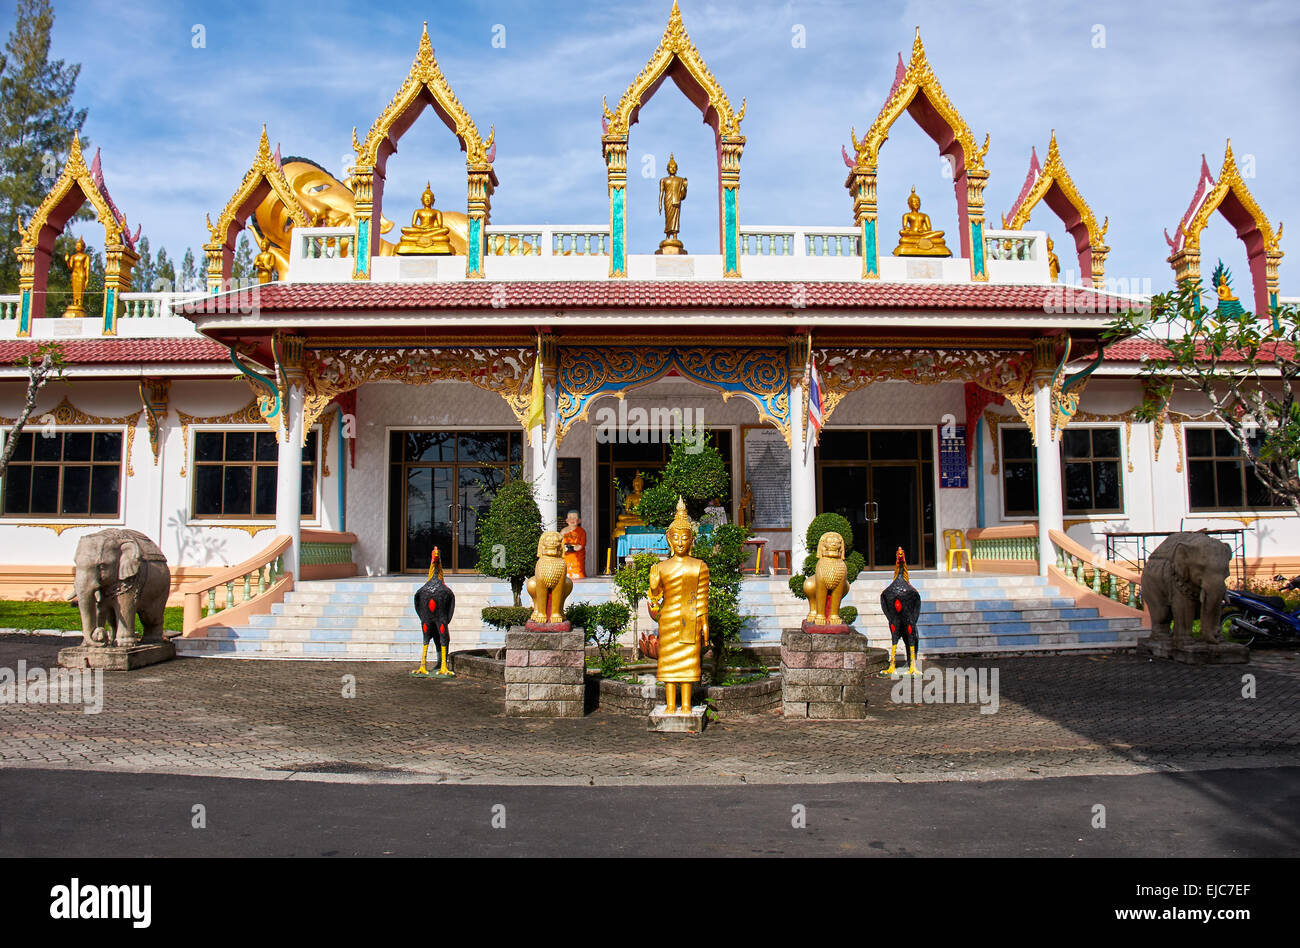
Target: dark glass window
x=1220, y=477
x=1019, y=474
x=68, y=474
x=1090, y=461
x=234, y=474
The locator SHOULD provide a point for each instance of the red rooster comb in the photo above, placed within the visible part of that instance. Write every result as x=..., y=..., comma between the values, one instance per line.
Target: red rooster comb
x=900, y=564
x=435, y=565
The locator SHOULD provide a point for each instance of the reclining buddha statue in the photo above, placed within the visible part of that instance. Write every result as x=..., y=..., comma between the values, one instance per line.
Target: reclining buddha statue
x=918, y=238
x=427, y=233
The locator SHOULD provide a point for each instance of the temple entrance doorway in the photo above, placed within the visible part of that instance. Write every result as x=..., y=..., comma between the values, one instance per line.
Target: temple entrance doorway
x=617, y=464
x=439, y=484
x=882, y=482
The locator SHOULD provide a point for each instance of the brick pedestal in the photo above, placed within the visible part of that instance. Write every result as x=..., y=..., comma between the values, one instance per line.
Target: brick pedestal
x=544, y=673
x=825, y=676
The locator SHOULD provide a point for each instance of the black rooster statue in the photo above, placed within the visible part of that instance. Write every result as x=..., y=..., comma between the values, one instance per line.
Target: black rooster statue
x=902, y=607
x=434, y=604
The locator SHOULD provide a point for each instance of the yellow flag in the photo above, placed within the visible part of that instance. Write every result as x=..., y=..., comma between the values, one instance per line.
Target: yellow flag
x=536, y=410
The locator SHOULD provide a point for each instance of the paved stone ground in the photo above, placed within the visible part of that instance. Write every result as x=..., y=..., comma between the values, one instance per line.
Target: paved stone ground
x=1057, y=716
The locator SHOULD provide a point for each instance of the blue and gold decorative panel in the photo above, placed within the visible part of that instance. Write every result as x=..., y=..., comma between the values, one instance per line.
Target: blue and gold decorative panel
x=25, y=314
x=870, y=263
x=760, y=374
x=977, y=250
x=110, y=312
x=474, y=263
x=617, y=252
x=730, y=232
x=362, y=268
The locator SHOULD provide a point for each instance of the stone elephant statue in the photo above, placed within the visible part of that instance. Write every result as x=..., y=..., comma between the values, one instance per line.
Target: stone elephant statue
x=120, y=574
x=1186, y=577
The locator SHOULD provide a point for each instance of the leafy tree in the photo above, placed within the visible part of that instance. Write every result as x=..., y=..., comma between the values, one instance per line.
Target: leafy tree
x=724, y=551
x=508, y=535
x=603, y=624
x=189, y=275
x=145, y=269
x=45, y=363
x=37, y=122
x=164, y=280
x=242, y=268
x=1245, y=367
x=697, y=476
x=853, y=560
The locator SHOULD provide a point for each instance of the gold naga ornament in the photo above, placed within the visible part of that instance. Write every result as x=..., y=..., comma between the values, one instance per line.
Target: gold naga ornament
x=679, y=601
x=550, y=585
x=79, y=264
x=828, y=585
x=918, y=238
x=672, y=192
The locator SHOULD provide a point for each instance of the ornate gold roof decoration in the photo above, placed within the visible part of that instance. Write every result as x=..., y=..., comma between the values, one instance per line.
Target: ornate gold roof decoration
x=265, y=171
x=674, y=47
x=250, y=414
x=426, y=76
x=66, y=413
x=918, y=78
x=1230, y=181
x=75, y=174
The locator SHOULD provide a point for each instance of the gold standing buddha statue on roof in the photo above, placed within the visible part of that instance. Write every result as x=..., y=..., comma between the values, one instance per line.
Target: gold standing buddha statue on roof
x=918, y=238
x=427, y=233
x=79, y=264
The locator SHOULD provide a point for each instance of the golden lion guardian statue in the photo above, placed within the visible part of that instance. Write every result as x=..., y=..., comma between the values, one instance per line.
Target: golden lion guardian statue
x=550, y=584
x=827, y=586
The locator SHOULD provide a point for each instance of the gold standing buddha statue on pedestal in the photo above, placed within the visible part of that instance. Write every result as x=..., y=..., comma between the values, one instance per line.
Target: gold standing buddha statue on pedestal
x=265, y=263
x=79, y=264
x=918, y=238
x=427, y=233
x=672, y=192
x=679, y=602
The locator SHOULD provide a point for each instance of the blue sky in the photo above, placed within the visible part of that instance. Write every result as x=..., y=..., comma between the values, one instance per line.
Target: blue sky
x=179, y=125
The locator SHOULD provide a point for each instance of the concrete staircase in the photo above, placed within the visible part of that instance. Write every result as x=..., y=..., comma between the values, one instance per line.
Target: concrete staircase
x=374, y=619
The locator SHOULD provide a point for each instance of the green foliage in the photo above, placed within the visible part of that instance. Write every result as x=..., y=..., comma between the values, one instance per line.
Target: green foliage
x=508, y=535
x=633, y=580
x=724, y=552
x=658, y=506
x=1245, y=367
x=828, y=523
x=37, y=122
x=696, y=472
x=506, y=617
x=848, y=614
x=603, y=624
x=241, y=269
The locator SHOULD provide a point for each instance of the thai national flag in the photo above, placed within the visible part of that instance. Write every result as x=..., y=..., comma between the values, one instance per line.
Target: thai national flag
x=815, y=406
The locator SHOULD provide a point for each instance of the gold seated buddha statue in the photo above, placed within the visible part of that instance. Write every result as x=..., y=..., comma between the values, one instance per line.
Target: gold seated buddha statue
x=918, y=238
x=427, y=234
x=629, y=518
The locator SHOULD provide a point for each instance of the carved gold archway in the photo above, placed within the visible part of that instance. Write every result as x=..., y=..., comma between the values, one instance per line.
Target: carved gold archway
x=264, y=177
x=917, y=91
x=1230, y=196
x=675, y=58
x=425, y=85
x=1053, y=184
x=75, y=186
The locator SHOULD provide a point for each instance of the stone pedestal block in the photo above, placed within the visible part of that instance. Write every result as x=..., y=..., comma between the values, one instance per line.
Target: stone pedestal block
x=544, y=673
x=840, y=629
x=825, y=676
x=1194, y=652
x=692, y=723
x=113, y=658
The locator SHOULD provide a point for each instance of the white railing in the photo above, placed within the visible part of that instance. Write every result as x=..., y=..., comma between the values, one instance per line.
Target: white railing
x=547, y=241
x=1010, y=245
x=324, y=243
x=800, y=242
x=9, y=306
x=152, y=305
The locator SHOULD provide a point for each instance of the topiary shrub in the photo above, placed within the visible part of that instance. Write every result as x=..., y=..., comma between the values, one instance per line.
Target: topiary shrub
x=724, y=552
x=848, y=614
x=506, y=617
x=508, y=535
x=853, y=560
x=658, y=506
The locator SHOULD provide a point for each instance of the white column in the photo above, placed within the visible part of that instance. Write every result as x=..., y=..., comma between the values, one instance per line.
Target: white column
x=803, y=480
x=1048, y=460
x=288, y=478
x=545, y=466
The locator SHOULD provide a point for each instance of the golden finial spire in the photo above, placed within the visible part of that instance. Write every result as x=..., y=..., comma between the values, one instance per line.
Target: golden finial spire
x=681, y=521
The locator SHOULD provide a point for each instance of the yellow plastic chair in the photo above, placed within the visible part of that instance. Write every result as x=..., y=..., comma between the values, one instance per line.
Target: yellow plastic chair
x=955, y=541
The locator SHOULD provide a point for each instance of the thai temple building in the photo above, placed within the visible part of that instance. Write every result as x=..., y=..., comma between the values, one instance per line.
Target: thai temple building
x=302, y=443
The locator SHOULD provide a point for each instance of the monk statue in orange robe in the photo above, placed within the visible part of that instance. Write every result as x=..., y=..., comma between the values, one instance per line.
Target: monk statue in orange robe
x=575, y=546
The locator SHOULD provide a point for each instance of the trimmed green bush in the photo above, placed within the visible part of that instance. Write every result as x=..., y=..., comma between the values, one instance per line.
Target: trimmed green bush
x=603, y=624
x=508, y=535
x=506, y=617
x=853, y=560
x=848, y=614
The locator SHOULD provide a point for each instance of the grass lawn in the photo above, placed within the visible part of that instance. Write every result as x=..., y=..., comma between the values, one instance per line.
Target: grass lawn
x=63, y=615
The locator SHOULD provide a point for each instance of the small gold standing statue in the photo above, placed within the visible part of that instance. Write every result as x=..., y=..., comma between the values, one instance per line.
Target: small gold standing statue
x=427, y=233
x=672, y=191
x=827, y=586
x=629, y=516
x=918, y=238
x=264, y=263
x=679, y=602
x=1053, y=261
x=79, y=263
x=550, y=584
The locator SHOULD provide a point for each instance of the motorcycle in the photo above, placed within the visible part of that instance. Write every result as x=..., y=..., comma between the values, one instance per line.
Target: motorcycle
x=1262, y=620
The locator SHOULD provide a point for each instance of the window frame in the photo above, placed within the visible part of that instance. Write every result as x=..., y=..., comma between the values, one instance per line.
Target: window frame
x=1241, y=461
x=1119, y=460
x=193, y=464
x=18, y=519
x=1002, y=472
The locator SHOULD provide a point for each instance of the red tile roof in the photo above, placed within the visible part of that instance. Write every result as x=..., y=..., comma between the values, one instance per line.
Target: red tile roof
x=612, y=294
x=1135, y=350
x=117, y=351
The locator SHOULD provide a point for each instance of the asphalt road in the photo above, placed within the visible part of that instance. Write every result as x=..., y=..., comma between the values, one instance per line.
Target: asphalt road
x=80, y=814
